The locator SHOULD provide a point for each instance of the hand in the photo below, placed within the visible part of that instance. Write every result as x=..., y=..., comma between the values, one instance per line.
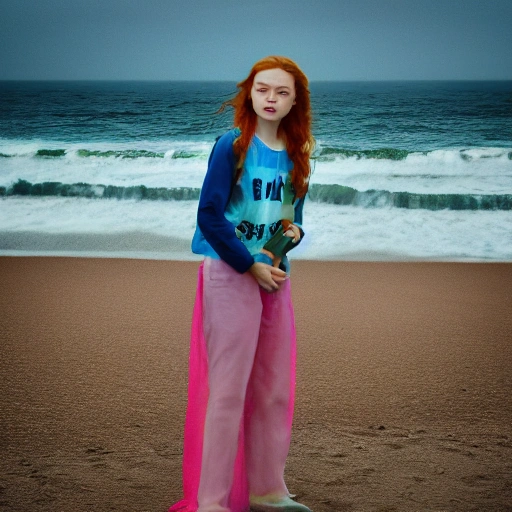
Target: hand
x=293, y=231
x=268, y=277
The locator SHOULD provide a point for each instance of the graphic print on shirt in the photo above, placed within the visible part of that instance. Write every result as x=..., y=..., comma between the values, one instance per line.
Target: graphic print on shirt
x=272, y=192
x=261, y=209
x=247, y=229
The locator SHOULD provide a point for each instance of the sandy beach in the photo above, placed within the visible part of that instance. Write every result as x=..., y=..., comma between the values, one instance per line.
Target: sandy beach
x=404, y=385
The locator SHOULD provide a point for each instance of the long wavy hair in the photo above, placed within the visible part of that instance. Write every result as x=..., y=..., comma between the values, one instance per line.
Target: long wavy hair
x=294, y=129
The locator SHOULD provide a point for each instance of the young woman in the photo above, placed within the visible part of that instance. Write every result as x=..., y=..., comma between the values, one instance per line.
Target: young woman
x=242, y=359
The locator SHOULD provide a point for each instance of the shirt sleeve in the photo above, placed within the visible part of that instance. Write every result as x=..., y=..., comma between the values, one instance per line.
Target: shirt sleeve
x=215, y=195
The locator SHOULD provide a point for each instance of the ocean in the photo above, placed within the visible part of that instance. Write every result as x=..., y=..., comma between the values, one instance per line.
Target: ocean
x=402, y=170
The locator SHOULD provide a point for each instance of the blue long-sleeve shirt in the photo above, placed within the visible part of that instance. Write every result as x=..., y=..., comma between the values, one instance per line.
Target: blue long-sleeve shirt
x=234, y=220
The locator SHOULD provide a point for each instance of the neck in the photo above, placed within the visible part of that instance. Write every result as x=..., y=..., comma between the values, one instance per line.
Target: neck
x=267, y=131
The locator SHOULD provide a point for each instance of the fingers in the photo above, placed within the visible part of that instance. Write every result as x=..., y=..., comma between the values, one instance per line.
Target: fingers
x=270, y=288
x=277, y=274
x=267, y=277
x=276, y=278
x=293, y=232
x=269, y=285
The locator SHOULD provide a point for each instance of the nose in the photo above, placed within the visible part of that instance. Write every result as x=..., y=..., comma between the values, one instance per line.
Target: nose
x=271, y=96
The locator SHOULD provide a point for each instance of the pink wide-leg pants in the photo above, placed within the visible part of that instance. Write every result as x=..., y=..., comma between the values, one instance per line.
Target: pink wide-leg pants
x=241, y=392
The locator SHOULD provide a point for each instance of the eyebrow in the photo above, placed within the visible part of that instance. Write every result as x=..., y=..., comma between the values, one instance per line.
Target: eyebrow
x=259, y=84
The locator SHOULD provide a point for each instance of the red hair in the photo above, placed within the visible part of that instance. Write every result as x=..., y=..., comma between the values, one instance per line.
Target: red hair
x=294, y=129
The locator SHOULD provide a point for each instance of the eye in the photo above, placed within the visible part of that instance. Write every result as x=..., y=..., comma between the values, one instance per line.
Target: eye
x=284, y=93
x=261, y=89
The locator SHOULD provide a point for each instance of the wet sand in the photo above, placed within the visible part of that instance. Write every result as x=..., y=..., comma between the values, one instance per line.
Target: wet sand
x=404, y=385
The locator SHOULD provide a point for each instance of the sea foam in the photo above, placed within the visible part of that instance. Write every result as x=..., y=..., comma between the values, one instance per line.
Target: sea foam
x=332, y=231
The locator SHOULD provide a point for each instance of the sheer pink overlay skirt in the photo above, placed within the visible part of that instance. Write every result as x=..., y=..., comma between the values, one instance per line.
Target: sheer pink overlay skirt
x=240, y=392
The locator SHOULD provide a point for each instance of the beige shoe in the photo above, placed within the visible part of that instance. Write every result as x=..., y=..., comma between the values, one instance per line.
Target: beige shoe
x=283, y=505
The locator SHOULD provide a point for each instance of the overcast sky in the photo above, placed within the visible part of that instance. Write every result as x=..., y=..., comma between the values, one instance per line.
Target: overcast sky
x=221, y=39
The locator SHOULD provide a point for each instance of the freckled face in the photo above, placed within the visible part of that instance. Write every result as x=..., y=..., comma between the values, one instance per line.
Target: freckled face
x=273, y=94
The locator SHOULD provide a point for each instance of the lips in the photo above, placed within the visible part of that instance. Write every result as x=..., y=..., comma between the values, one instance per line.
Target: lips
x=269, y=109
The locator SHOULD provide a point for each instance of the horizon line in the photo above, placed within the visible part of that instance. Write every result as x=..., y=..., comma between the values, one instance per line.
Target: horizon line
x=197, y=80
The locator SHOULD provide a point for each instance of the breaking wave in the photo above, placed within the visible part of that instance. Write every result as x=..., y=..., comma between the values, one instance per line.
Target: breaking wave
x=330, y=194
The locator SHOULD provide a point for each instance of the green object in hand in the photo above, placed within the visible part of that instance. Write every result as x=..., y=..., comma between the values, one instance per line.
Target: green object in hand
x=280, y=244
